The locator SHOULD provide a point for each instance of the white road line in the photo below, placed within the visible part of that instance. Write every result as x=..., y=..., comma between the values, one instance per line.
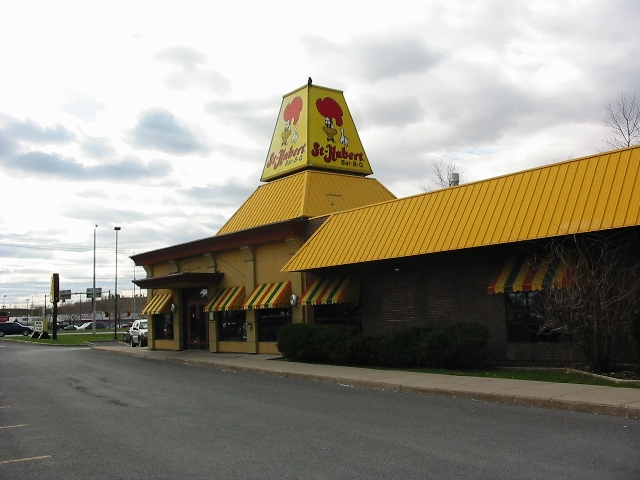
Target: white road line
x=6, y=406
x=14, y=426
x=24, y=459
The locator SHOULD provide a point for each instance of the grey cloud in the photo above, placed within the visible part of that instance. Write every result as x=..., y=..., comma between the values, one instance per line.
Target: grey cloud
x=230, y=194
x=85, y=108
x=185, y=57
x=55, y=166
x=159, y=129
x=391, y=111
x=254, y=118
x=33, y=132
x=191, y=72
x=386, y=59
x=107, y=217
x=98, y=147
x=378, y=59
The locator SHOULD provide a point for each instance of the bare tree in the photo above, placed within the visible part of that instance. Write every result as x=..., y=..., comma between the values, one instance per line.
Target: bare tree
x=441, y=175
x=623, y=119
x=597, y=305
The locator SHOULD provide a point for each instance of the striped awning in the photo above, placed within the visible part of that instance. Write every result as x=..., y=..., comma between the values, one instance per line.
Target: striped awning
x=226, y=299
x=157, y=304
x=269, y=295
x=526, y=274
x=338, y=289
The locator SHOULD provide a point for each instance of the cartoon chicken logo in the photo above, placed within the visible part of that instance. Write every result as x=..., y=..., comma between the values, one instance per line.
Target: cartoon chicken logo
x=331, y=112
x=291, y=115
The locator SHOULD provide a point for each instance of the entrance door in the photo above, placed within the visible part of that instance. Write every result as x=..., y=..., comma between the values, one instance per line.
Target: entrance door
x=197, y=326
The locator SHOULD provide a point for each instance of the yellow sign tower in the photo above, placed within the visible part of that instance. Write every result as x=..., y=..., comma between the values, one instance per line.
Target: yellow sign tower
x=315, y=131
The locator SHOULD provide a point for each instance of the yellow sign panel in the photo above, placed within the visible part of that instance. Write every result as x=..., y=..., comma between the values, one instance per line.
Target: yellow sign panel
x=315, y=130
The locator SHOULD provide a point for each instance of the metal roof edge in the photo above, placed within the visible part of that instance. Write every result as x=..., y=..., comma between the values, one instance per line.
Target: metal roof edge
x=249, y=236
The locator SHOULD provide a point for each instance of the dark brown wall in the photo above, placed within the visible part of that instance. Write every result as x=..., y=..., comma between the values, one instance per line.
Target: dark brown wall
x=449, y=287
x=435, y=290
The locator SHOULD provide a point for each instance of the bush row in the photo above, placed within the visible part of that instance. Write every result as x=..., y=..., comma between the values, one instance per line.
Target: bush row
x=456, y=346
x=634, y=330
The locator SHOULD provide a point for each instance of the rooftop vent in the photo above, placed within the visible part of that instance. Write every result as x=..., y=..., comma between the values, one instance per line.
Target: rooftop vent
x=454, y=179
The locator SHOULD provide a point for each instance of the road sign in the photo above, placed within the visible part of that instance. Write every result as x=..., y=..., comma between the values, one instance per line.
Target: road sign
x=90, y=292
x=65, y=294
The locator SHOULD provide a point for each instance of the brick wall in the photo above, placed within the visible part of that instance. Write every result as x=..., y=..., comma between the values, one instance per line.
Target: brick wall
x=445, y=288
x=450, y=287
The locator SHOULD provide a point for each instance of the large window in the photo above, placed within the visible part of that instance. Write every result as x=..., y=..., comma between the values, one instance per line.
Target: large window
x=337, y=314
x=232, y=326
x=269, y=322
x=526, y=318
x=163, y=326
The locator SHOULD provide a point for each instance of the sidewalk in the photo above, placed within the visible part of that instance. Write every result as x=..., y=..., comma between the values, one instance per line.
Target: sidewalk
x=583, y=398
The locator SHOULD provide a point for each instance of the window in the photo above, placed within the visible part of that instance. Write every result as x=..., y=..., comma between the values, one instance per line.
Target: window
x=269, y=322
x=526, y=317
x=337, y=313
x=163, y=326
x=232, y=326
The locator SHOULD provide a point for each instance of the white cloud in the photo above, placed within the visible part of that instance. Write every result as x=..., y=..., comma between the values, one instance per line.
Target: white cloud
x=159, y=120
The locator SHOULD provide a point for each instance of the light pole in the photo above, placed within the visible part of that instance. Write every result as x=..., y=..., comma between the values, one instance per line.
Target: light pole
x=93, y=294
x=115, y=313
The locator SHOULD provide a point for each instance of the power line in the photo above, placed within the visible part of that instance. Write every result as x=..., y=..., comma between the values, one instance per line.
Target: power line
x=60, y=247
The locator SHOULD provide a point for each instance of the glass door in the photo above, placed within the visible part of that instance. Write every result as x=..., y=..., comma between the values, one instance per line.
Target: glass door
x=197, y=326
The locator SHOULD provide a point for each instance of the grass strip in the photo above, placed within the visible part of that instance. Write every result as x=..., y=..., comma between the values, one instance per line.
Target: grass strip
x=68, y=338
x=554, y=375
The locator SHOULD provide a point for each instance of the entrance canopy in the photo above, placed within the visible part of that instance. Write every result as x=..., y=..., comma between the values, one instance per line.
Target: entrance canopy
x=528, y=273
x=226, y=299
x=269, y=295
x=157, y=304
x=337, y=289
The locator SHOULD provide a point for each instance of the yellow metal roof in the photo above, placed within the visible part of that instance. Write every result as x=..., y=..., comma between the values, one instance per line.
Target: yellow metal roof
x=305, y=194
x=593, y=193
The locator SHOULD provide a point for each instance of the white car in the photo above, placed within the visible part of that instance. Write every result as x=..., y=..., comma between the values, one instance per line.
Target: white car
x=89, y=326
x=138, y=333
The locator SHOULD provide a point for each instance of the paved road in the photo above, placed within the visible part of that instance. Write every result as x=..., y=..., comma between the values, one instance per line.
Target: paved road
x=82, y=413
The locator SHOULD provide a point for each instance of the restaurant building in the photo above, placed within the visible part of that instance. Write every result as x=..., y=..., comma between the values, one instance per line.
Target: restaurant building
x=480, y=251
x=228, y=293
x=319, y=241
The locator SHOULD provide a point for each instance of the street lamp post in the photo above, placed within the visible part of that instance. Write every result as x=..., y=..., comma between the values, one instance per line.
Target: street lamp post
x=93, y=294
x=115, y=313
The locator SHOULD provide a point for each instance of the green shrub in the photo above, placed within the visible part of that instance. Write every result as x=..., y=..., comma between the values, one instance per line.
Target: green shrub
x=634, y=330
x=296, y=342
x=314, y=343
x=460, y=346
x=456, y=346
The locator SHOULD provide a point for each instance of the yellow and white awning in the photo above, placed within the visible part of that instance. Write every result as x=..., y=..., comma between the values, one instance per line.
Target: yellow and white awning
x=269, y=295
x=157, y=304
x=338, y=289
x=226, y=299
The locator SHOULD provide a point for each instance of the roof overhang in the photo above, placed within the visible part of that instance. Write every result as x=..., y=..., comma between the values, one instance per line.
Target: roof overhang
x=250, y=236
x=180, y=280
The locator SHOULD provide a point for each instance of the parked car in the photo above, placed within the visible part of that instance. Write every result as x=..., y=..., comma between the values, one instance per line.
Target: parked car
x=138, y=334
x=87, y=326
x=126, y=338
x=70, y=327
x=12, y=328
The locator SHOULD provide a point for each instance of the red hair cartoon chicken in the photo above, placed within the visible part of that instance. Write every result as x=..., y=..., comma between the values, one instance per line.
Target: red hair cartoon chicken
x=291, y=115
x=331, y=111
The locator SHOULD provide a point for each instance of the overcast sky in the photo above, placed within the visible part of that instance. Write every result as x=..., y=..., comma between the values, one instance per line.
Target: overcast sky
x=157, y=116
